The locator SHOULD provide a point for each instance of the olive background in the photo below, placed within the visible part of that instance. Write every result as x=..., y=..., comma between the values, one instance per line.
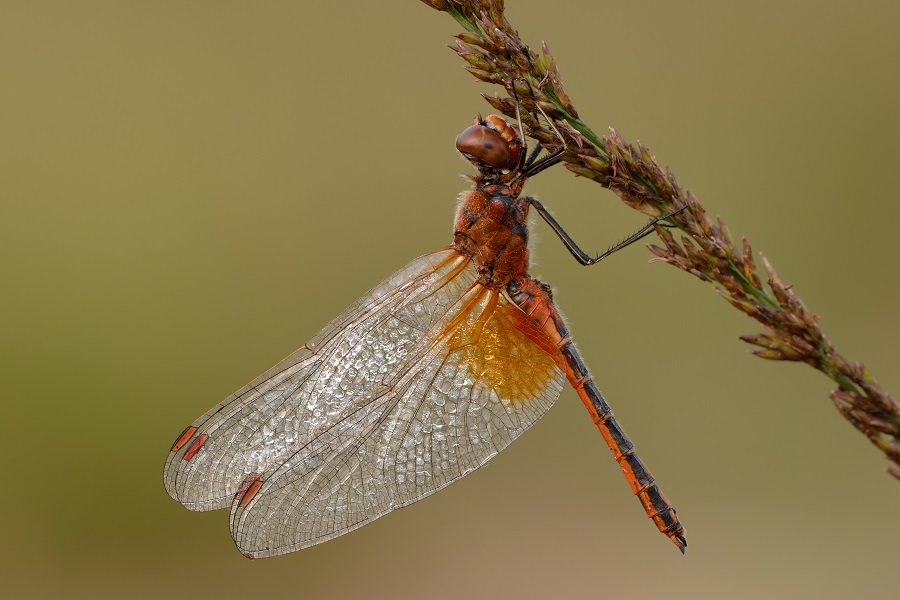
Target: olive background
x=190, y=190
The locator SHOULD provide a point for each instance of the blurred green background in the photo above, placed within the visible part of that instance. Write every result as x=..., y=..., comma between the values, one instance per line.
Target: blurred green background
x=189, y=191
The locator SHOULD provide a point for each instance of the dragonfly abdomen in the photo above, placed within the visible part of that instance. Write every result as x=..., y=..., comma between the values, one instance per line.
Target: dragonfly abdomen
x=541, y=321
x=638, y=475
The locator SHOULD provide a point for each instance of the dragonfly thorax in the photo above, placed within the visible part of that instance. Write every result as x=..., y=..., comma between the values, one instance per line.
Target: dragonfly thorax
x=492, y=228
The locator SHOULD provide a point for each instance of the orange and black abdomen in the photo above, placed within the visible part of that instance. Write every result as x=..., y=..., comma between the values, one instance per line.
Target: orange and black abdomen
x=537, y=317
x=491, y=227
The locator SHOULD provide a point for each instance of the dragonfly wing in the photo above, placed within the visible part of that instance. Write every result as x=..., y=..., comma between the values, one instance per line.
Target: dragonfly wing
x=467, y=387
x=340, y=371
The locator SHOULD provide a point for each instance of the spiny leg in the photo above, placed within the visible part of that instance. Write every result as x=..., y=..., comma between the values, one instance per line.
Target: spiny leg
x=533, y=166
x=583, y=257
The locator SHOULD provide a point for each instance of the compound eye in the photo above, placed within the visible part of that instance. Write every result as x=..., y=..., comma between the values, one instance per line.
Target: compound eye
x=485, y=145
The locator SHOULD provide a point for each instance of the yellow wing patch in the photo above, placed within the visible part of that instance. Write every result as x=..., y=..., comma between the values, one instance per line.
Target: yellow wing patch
x=486, y=341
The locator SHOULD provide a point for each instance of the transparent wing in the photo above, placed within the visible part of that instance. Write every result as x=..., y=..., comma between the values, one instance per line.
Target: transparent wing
x=292, y=403
x=466, y=390
x=417, y=384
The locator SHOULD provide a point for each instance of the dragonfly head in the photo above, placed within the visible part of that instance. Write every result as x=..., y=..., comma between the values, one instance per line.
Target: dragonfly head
x=492, y=145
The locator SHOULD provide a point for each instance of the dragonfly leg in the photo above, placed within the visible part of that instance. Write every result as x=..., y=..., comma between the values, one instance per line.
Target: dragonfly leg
x=583, y=257
x=532, y=165
x=537, y=316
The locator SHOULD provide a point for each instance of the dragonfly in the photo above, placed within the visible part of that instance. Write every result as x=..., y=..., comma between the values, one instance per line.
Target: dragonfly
x=420, y=382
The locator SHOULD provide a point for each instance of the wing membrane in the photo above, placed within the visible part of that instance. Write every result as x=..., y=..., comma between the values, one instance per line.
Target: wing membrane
x=269, y=418
x=418, y=383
